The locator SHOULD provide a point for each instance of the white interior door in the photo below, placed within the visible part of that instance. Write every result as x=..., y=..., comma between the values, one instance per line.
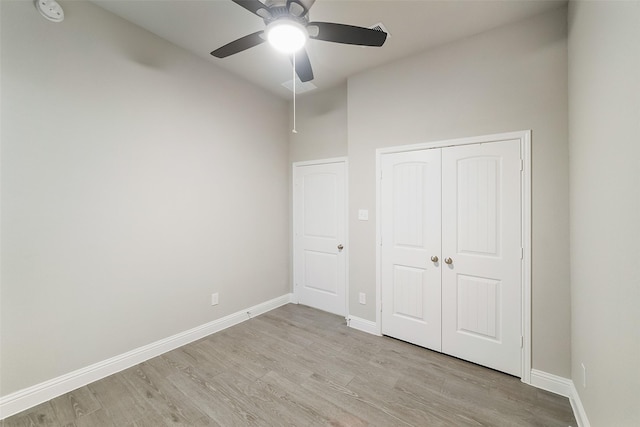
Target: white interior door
x=461, y=204
x=481, y=287
x=410, y=218
x=319, y=204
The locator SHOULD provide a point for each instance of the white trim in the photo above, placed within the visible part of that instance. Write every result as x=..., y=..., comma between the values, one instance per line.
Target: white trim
x=363, y=325
x=347, y=247
x=551, y=382
x=321, y=161
x=294, y=166
x=29, y=397
x=379, y=152
x=525, y=152
x=455, y=142
x=578, y=409
x=564, y=387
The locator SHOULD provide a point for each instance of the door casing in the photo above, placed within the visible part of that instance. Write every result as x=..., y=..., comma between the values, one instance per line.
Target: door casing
x=524, y=139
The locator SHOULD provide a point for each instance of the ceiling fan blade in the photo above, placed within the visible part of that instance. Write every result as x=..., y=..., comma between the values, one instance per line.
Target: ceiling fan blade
x=254, y=6
x=303, y=66
x=346, y=34
x=239, y=45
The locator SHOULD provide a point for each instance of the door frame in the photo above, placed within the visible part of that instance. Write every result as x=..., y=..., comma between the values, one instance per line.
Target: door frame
x=524, y=139
x=294, y=168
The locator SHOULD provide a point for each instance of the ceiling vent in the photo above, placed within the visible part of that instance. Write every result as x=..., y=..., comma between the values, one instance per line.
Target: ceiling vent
x=300, y=86
x=380, y=27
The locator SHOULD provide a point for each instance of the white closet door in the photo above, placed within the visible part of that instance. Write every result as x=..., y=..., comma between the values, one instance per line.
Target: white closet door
x=410, y=219
x=481, y=286
x=319, y=203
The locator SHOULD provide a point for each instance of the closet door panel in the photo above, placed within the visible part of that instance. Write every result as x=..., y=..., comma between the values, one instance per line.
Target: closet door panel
x=481, y=285
x=410, y=221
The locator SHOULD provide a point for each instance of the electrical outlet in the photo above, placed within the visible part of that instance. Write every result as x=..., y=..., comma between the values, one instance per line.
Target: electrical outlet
x=214, y=299
x=584, y=375
x=362, y=298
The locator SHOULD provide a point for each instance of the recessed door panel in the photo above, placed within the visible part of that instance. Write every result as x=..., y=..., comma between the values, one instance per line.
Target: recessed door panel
x=408, y=292
x=479, y=307
x=478, y=202
x=320, y=272
x=320, y=205
x=409, y=180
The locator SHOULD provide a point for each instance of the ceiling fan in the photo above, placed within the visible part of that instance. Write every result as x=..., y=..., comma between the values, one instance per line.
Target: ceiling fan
x=288, y=28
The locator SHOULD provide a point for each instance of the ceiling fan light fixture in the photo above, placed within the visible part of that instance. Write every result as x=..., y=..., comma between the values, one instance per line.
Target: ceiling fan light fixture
x=287, y=36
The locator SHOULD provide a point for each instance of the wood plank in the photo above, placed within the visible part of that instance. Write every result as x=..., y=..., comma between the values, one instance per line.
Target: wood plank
x=369, y=410
x=212, y=400
x=99, y=418
x=71, y=406
x=40, y=415
x=119, y=400
x=337, y=416
x=159, y=393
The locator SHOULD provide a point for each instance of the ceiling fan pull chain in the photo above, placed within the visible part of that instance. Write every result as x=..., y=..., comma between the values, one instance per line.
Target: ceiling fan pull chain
x=294, y=94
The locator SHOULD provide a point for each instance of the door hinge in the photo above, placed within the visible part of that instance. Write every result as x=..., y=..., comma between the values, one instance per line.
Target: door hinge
x=521, y=164
x=380, y=175
x=521, y=341
x=521, y=253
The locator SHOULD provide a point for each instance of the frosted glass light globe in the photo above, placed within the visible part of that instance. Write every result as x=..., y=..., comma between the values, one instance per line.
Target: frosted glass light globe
x=287, y=36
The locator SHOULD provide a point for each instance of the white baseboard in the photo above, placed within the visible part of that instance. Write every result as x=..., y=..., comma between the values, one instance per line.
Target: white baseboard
x=29, y=397
x=564, y=387
x=552, y=383
x=578, y=409
x=363, y=325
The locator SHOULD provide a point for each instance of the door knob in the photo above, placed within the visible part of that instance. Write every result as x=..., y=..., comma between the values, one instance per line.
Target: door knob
x=340, y=247
x=448, y=261
x=434, y=258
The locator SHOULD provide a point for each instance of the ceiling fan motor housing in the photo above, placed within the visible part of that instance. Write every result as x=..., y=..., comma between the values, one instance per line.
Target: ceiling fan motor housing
x=279, y=10
x=305, y=3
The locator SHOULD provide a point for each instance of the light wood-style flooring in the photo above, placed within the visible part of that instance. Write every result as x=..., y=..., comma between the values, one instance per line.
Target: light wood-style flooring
x=299, y=366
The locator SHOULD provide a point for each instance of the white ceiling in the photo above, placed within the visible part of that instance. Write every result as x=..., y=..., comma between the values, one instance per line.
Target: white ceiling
x=201, y=26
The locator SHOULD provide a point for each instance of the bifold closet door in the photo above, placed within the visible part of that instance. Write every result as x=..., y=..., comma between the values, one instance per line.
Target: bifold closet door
x=482, y=239
x=410, y=219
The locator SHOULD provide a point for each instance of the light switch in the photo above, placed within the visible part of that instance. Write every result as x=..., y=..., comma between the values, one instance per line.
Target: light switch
x=362, y=298
x=363, y=215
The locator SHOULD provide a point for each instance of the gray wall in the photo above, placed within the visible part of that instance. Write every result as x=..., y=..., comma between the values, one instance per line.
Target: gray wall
x=512, y=78
x=132, y=188
x=604, y=117
x=321, y=120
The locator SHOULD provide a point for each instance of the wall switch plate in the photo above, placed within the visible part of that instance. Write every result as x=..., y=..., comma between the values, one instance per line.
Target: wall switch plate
x=362, y=298
x=363, y=215
x=214, y=299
